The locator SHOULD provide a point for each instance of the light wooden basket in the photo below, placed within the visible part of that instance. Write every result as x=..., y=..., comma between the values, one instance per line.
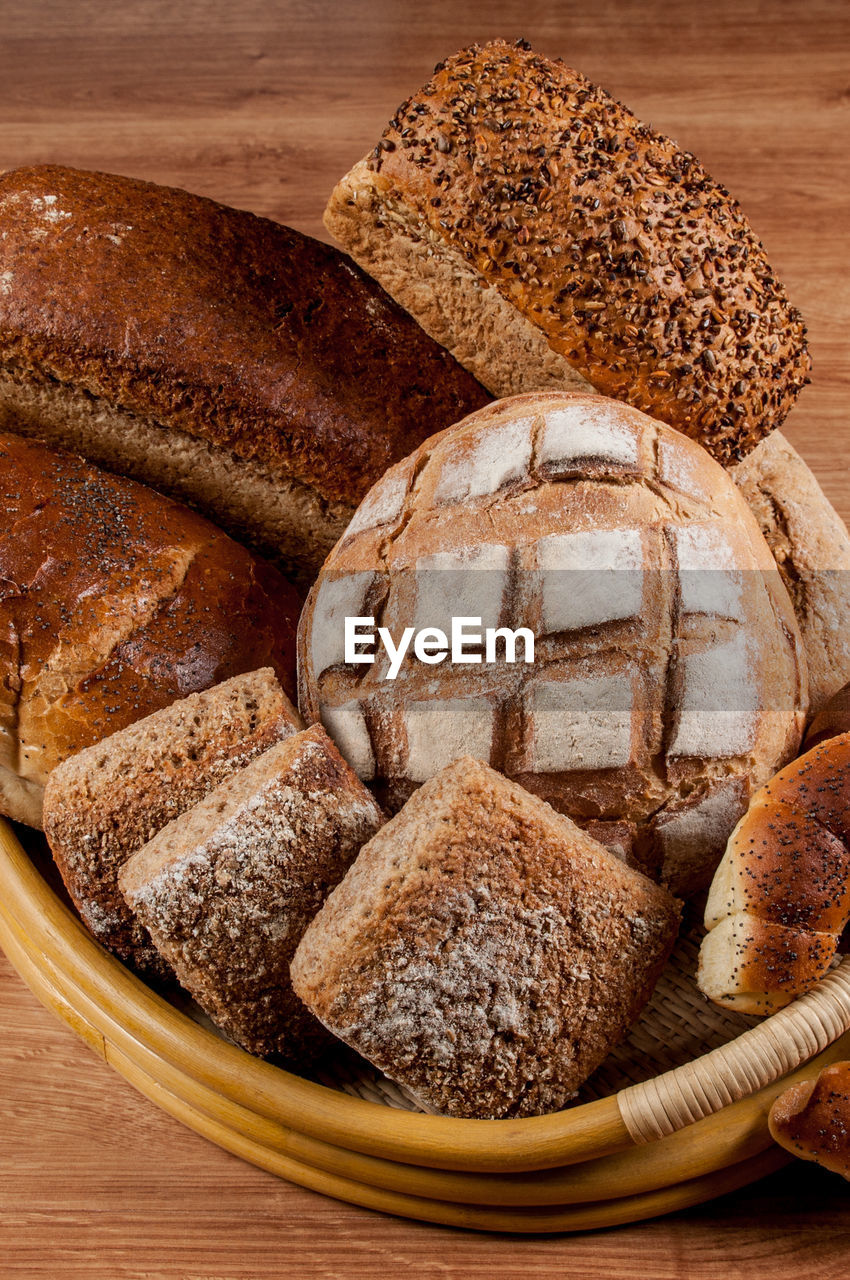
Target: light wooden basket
x=676, y=1139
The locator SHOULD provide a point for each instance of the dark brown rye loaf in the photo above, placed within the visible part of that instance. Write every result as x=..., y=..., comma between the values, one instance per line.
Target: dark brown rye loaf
x=114, y=602
x=230, y=361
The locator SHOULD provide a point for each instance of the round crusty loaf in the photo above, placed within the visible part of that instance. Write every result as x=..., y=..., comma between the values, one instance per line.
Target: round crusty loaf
x=781, y=895
x=668, y=675
x=812, y=1119
x=832, y=719
x=542, y=233
x=227, y=360
x=115, y=602
x=811, y=546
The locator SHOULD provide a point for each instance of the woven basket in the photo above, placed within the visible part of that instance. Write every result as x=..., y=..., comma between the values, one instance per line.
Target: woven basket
x=676, y=1115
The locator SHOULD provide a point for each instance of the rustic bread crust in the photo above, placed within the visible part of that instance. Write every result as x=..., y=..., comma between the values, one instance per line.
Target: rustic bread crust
x=483, y=950
x=210, y=321
x=811, y=546
x=108, y=800
x=276, y=516
x=677, y=687
x=116, y=601
x=449, y=297
x=832, y=719
x=781, y=895
x=227, y=889
x=639, y=270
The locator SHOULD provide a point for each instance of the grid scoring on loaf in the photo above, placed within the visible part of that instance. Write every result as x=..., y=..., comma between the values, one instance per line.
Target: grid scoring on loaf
x=658, y=648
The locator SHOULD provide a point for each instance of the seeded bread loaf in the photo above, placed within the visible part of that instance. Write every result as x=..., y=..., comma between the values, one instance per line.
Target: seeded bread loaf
x=811, y=546
x=812, y=1119
x=115, y=601
x=230, y=361
x=545, y=236
x=668, y=678
x=781, y=895
x=108, y=800
x=227, y=889
x=483, y=950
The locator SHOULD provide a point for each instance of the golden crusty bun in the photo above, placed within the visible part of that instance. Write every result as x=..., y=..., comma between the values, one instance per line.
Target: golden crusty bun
x=781, y=895
x=812, y=1119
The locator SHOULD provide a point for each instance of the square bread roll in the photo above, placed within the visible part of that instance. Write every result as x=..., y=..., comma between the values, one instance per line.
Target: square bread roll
x=105, y=802
x=483, y=951
x=227, y=889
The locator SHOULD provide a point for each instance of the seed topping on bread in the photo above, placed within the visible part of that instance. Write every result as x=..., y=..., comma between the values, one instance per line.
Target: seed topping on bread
x=639, y=269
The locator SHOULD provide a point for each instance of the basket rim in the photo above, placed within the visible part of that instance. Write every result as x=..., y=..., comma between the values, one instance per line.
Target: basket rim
x=349, y=1177
x=711, y=1144
x=32, y=913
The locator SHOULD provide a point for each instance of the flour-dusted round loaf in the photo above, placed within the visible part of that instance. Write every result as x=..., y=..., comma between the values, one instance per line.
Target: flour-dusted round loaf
x=668, y=678
x=114, y=602
x=548, y=238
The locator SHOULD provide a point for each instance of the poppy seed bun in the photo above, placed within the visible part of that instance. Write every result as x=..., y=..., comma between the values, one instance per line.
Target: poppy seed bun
x=781, y=894
x=812, y=1119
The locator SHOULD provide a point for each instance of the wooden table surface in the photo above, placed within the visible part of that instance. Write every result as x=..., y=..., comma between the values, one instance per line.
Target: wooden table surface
x=263, y=105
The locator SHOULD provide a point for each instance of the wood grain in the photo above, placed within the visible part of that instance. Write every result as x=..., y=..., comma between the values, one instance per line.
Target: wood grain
x=97, y=1183
x=264, y=105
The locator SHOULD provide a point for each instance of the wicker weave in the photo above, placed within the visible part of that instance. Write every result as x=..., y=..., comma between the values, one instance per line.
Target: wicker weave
x=762, y=1055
